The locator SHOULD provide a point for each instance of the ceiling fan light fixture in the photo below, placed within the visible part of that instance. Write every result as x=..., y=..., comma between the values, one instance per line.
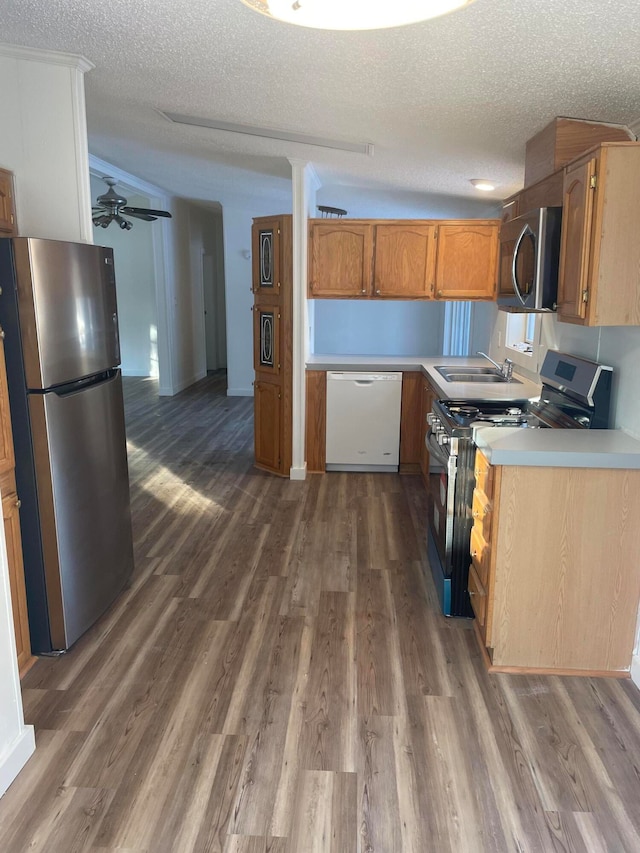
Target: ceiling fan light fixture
x=354, y=14
x=483, y=184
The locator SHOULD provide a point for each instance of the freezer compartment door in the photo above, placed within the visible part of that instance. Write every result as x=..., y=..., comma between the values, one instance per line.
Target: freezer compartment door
x=67, y=304
x=83, y=497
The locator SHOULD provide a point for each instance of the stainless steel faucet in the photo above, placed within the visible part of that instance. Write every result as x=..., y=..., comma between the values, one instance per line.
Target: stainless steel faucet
x=506, y=368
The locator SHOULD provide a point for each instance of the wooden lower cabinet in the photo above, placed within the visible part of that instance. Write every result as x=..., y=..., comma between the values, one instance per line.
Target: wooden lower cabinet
x=555, y=574
x=410, y=426
x=268, y=445
x=316, y=421
x=11, y=518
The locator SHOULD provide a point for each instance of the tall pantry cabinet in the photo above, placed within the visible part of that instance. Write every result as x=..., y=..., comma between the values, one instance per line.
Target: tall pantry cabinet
x=272, y=286
x=10, y=500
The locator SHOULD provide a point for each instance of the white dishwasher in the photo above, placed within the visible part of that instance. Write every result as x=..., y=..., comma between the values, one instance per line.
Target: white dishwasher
x=363, y=421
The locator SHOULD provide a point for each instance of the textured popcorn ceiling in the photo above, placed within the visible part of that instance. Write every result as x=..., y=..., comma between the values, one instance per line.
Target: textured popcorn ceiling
x=442, y=102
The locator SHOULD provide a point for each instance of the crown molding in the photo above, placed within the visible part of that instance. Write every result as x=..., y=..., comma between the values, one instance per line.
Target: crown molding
x=51, y=57
x=634, y=126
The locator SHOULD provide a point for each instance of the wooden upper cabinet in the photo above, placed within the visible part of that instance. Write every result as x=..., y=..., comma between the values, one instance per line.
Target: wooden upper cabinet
x=466, y=265
x=404, y=260
x=577, y=215
x=7, y=210
x=266, y=257
x=340, y=259
x=599, y=279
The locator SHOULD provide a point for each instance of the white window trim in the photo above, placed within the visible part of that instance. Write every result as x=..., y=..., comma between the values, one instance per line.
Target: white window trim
x=527, y=360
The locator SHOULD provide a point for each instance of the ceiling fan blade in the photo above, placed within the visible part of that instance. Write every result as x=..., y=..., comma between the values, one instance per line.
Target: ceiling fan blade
x=144, y=216
x=134, y=210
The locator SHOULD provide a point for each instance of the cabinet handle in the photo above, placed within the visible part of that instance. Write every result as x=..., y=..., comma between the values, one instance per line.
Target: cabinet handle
x=18, y=503
x=378, y=290
x=474, y=553
x=476, y=473
x=363, y=290
x=439, y=293
x=2, y=335
x=471, y=593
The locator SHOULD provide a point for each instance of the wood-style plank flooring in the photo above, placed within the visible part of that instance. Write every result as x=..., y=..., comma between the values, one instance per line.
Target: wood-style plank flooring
x=278, y=678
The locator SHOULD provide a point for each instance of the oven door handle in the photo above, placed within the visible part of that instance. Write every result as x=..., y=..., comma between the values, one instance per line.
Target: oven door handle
x=435, y=449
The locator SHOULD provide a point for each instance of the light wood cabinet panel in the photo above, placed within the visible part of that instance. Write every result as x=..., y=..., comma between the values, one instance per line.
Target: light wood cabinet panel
x=558, y=570
x=340, y=259
x=11, y=518
x=410, y=426
x=268, y=421
x=316, y=421
x=546, y=193
x=466, y=265
x=7, y=208
x=599, y=279
x=7, y=459
x=577, y=215
x=404, y=260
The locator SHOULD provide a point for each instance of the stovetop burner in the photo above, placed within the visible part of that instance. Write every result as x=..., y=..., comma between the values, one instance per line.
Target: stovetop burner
x=496, y=412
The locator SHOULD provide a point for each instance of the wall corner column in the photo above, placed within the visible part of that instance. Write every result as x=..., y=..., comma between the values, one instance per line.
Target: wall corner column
x=304, y=183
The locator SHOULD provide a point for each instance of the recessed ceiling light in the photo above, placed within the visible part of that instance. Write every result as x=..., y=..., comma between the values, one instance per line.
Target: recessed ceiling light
x=354, y=14
x=482, y=184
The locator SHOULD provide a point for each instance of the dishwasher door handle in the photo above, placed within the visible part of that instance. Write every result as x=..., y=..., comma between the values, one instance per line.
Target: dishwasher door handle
x=364, y=381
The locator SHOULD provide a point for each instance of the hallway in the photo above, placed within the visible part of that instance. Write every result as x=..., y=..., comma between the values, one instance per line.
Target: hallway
x=278, y=678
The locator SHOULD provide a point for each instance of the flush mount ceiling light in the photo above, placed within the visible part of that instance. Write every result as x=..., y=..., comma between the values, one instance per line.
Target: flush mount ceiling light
x=354, y=14
x=482, y=184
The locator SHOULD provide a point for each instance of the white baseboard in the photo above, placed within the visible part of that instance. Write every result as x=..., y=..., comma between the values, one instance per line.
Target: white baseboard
x=635, y=670
x=16, y=756
x=131, y=372
x=298, y=473
x=239, y=392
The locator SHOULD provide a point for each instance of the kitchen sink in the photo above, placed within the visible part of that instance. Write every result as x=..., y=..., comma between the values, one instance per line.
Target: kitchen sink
x=474, y=374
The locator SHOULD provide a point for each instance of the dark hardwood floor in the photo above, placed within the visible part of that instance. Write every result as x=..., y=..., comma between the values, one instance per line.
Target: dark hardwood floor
x=278, y=678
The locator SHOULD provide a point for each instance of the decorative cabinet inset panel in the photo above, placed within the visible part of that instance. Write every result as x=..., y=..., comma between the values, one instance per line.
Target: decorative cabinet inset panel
x=266, y=257
x=266, y=337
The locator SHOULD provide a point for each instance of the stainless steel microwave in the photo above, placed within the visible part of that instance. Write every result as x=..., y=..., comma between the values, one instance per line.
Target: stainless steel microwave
x=529, y=261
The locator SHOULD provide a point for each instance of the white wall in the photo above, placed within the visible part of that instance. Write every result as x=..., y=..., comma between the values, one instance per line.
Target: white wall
x=43, y=141
x=377, y=327
x=135, y=285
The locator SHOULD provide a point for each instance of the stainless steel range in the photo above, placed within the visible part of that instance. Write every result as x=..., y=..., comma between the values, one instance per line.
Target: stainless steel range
x=575, y=394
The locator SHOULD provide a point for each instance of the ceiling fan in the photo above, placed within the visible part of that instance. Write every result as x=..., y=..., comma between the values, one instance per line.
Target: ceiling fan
x=111, y=204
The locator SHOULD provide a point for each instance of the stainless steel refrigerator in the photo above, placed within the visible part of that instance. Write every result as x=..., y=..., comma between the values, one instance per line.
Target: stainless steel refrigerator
x=58, y=312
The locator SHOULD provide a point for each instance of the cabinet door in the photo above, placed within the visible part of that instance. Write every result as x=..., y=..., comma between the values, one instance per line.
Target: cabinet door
x=340, y=255
x=7, y=460
x=466, y=265
x=266, y=339
x=7, y=217
x=577, y=216
x=404, y=261
x=410, y=422
x=11, y=518
x=267, y=414
x=266, y=257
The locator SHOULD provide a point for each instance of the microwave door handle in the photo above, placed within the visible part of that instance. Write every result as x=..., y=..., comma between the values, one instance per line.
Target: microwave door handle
x=514, y=275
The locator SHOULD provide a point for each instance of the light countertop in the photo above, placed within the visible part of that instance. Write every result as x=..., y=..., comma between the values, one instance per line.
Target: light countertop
x=523, y=389
x=558, y=448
